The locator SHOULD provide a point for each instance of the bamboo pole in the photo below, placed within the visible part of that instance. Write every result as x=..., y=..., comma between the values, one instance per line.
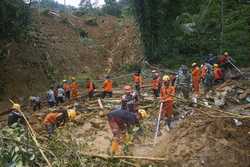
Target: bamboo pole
x=158, y=123
x=103, y=156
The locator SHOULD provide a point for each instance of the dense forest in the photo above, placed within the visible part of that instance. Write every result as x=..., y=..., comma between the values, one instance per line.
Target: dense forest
x=182, y=29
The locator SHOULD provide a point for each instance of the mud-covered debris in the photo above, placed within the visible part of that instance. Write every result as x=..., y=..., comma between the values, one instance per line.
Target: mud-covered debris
x=97, y=123
x=244, y=95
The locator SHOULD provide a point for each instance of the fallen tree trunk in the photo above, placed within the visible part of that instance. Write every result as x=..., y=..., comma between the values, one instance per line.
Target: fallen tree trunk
x=103, y=156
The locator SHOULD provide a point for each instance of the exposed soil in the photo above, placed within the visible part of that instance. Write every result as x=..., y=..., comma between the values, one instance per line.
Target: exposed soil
x=55, y=51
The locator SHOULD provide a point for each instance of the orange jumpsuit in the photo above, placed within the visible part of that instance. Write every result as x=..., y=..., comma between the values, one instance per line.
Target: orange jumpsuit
x=138, y=80
x=90, y=86
x=218, y=73
x=66, y=87
x=51, y=118
x=74, y=89
x=196, y=80
x=156, y=84
x=167, y=98
x=107, y=86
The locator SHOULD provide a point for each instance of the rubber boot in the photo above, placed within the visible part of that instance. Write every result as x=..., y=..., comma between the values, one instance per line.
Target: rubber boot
x=168, y=124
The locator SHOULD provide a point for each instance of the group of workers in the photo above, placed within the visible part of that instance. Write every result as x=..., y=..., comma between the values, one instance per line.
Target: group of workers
x=60, y=93
x=71, y=90
x=184, y=82
x=128, y=115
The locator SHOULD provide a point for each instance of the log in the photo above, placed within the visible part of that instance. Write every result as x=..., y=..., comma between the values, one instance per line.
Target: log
x=103, y=156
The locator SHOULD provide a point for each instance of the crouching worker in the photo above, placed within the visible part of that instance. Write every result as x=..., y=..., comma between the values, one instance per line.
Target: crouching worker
x=120, y=121
x=167, y=93
x=54, y=119
x=58, y=118
x=15, y=115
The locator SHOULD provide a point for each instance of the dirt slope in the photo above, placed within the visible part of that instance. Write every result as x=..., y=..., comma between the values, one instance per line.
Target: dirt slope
x=55, y=50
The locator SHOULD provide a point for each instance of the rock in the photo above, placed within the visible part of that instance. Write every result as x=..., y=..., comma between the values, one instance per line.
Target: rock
x=219, y=101
x=248, y=99
x=78, y=118
x=237, y=122
x=244, y=94
x=245, y=107
x=101, y=114
x=97, y=123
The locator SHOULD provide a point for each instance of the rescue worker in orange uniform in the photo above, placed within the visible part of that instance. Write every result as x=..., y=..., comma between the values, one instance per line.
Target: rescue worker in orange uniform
x=121, y=119
x=138, y=81
x=66, y=87
x=224, y=61
x=51, y=120
x=207, y=77
x=166, y=96
x=107, y=87
x=156, y=83
x=218, y=74
x=196, y=76
x=90, y=88
x=57, y=118
x=74, y=88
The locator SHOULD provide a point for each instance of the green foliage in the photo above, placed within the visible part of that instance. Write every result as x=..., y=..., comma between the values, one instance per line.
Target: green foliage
x=111, y=7
x=51, y=4
x=14, y=18
x=14, y=147
x=173, y=30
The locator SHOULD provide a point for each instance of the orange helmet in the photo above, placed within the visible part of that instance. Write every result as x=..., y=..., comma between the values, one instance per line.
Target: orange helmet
x=127, y=88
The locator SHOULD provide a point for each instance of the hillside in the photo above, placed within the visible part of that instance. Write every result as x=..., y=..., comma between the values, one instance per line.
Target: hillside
x=54, y=50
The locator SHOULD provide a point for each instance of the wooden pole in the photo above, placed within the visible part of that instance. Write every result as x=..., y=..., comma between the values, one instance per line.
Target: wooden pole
x=100, y=103
x=103, y=156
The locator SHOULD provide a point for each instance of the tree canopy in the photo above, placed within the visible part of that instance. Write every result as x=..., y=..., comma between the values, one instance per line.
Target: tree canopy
x=14, y=18
x=183, y=29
